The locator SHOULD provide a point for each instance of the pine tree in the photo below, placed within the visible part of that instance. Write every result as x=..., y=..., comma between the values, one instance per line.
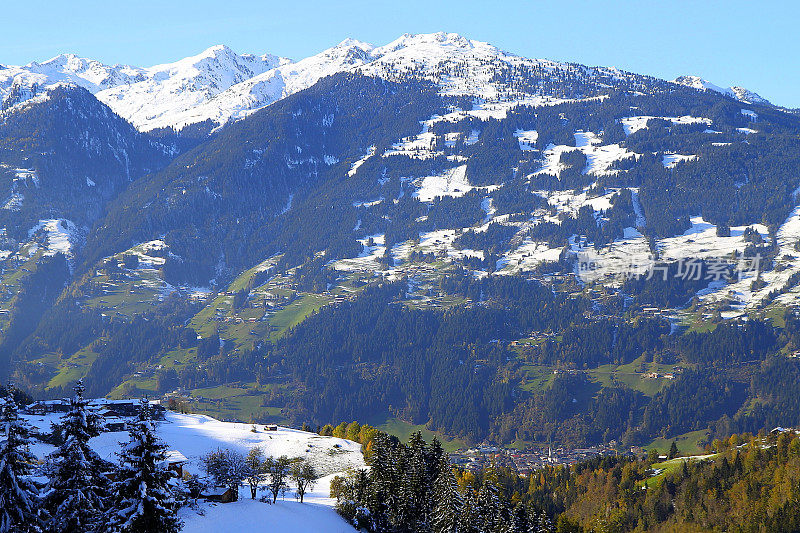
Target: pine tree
x=544, y=525
x=143, y=501
x=448, y=504
x=488, y=505
x=19, y=497
x=78, y=488
x=520, y=521
x=383, y=474
x=415, y=502
x=673, y=450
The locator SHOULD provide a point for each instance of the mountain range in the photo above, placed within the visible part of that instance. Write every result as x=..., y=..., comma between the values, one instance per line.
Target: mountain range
x=431, y=232
x=219, y=85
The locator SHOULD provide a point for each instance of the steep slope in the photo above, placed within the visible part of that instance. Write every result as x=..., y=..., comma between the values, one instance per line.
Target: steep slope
x=64, y=155
x=217, y=205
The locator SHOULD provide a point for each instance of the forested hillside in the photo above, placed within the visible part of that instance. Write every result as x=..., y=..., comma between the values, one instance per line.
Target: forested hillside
x=434, y=233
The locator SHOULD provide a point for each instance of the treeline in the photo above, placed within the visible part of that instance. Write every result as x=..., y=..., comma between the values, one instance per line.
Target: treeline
x=412, y=488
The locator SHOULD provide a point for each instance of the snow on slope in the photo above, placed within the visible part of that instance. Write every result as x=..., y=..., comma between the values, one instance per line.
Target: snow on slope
x=247, y=515
x=170, y=94
x=452, y=182
x=599, y=157
x=220, y=85
x=61, y=235
x=739, y=93
x=149, y=98
x=197, y=435
x=634, y=124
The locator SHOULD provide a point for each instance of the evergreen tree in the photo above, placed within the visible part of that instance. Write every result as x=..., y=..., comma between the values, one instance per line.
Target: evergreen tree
x=143, y=500
x=520, y=521
x=448, y=504
x=78, y=488
x=19, y=497
x=382, y=480
x=544, y=524
x=415, y=502
x=673, y=450
x=488, y=505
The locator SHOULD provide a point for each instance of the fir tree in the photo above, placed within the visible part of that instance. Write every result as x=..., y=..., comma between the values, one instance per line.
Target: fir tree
x=673, y=451
x=78, y=488
x=448, y=504
x=19, y=497
x=544, y=525
x=143, y=499
x=520, y=521
x=415, y=502
x=488, y=505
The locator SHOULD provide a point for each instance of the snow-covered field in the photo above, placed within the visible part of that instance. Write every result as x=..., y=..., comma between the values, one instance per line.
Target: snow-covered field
x=634, y=124
x=247, y=515
x=196, y=435
x=62, y=235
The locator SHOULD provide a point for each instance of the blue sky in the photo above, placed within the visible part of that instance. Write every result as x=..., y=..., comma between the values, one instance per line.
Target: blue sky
x=752, y=44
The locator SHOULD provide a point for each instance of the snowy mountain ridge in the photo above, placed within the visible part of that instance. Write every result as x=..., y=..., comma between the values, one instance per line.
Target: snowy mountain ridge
x=739, y=93
x=220, y=85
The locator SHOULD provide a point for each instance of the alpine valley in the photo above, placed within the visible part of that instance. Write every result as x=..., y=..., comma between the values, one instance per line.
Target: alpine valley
x=431, y=234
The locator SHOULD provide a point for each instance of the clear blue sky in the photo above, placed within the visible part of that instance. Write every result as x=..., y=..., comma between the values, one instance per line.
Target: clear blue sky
x=749, y=43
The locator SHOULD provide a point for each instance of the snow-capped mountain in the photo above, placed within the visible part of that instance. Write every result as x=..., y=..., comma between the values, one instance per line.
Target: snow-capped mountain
x=220, y=85
x=148, y=97
x=167, y=94
x=739, y=93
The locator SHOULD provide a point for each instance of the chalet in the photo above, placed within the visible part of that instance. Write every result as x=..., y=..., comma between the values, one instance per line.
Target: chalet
x=115, y=424
x=220, y=494
x=42, y=407
x=175, y=461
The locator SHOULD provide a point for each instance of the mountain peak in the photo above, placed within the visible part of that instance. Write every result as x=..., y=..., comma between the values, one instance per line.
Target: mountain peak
x=739, y=93
x=354, y=43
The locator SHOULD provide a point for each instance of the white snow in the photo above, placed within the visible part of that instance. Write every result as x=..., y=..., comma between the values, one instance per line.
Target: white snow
x=368, y=258
x=599, y=157
x=62, y=235
x=221, y=85
x=752, y=115
x=526, y=257
x=739, y=93
x=247, y=515
x=527, y=139
x=701, y=241
x=357, y=164
x=194, y=435
x=672, y=160
x=634, y=124
x=452, y=182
